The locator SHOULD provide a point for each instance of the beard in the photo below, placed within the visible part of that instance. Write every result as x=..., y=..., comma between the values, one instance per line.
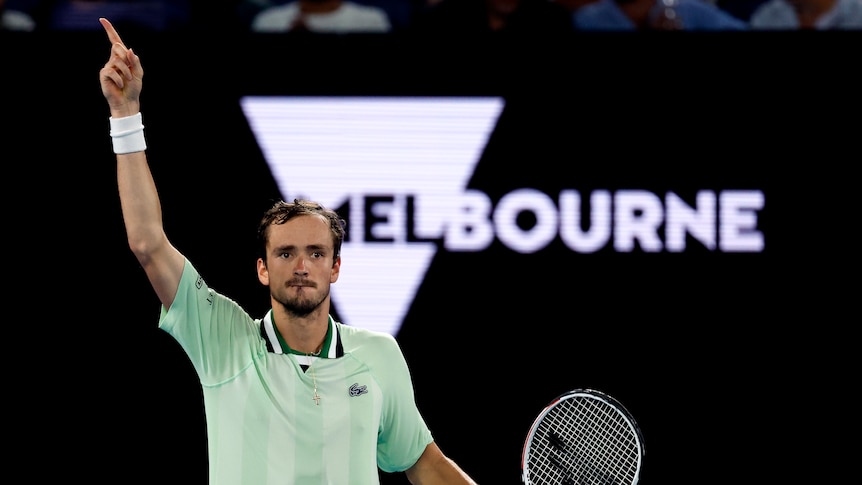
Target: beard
x=304, y=304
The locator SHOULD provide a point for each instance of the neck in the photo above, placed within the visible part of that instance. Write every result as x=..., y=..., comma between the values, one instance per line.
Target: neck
x=302, y=334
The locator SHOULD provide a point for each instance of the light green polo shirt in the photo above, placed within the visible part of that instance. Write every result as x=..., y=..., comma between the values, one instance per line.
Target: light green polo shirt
x=263, y=425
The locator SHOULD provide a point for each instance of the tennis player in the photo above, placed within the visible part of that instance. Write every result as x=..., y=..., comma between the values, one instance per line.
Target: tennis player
x=294, y=397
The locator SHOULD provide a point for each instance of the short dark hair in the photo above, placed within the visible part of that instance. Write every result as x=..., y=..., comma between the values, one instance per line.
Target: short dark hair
x=282, y=211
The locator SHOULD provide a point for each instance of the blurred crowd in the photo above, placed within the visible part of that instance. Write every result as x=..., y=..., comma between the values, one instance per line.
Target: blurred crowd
x=428, y=16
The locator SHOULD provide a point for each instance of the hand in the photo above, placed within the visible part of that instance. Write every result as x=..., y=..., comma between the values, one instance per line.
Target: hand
x=121, y=77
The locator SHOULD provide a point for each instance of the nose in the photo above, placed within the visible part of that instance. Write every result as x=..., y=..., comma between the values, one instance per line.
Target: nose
x=299, y=269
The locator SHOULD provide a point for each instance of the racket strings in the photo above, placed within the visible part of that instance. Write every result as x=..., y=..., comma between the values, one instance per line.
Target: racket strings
x=585, y=442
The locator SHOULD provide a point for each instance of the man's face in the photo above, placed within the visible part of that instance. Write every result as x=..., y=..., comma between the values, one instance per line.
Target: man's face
x=300, y=265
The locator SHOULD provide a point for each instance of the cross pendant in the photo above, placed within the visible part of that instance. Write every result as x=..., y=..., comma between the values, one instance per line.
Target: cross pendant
x=316, y=398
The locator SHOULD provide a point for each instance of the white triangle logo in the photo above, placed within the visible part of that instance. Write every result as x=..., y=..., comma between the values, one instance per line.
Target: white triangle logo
x=380, y=155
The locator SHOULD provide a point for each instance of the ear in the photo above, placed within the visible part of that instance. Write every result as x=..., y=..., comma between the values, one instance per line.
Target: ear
x=336, y=270
x=262, y=272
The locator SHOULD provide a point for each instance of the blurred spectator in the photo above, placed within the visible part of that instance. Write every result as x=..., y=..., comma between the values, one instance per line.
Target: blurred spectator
x=12, y=19
x=155, y=15
x=322, y=16
x=808, y=14
x=476, y=16
x=628, y=15
x=573, y=5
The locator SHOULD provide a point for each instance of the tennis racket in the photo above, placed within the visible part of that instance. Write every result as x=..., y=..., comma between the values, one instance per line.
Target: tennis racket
x=583, y=437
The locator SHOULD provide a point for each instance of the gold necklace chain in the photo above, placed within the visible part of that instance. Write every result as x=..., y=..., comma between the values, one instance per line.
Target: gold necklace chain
x=316, y=396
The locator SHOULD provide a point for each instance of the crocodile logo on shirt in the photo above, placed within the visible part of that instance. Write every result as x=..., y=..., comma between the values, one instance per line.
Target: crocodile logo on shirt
x=356, y=390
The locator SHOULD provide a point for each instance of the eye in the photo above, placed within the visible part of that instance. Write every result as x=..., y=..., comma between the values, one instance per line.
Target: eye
x=317, y=254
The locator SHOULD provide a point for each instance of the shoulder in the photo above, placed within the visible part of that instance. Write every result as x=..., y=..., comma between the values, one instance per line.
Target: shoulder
x=274, y=18
x=363, y=8
x=367, y=13
x=372, y=347
x=774, y=13
x=195, y=293
x=358, y=337
x=378, y=353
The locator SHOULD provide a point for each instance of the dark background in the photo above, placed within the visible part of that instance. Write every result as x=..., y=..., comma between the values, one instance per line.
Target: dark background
x=708, y=350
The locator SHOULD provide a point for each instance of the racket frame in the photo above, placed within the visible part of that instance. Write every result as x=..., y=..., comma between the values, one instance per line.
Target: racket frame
x=593, y=394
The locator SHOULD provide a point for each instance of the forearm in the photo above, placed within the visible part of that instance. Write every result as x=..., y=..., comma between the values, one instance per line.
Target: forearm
x=142, y=212
x=445, y=473
x=142, y=215
x=434, y=468
x=138, y=196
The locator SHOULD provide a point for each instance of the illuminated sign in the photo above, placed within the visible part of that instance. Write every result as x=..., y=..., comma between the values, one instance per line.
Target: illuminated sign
x=399, y=168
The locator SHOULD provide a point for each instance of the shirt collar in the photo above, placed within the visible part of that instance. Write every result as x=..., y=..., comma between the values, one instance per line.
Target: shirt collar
x=275, y=343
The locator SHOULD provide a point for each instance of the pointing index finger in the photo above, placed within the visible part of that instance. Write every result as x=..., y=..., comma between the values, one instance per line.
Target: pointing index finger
x=113, y=36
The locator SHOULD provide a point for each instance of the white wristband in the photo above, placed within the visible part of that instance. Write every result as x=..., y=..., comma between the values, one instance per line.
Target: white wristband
x=127, y=133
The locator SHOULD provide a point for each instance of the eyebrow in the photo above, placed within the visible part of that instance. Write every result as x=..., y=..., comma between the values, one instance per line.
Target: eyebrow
x=312, y=247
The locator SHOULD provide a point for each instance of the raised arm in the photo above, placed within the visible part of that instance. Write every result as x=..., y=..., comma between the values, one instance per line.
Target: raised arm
x=121, y=80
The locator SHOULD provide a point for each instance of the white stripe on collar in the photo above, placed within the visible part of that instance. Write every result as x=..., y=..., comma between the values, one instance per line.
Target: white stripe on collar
x=273, y=335
x=269, y=327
